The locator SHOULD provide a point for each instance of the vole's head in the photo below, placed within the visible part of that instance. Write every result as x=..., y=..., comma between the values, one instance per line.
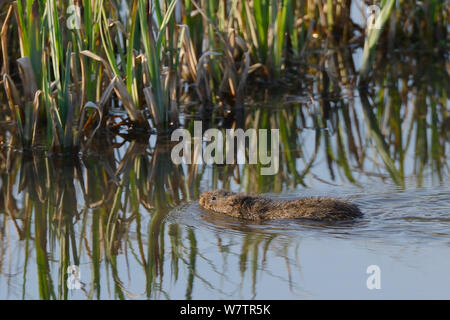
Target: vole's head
x=220, y=201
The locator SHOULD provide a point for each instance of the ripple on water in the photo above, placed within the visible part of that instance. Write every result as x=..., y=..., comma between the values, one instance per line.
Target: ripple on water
x=414, y=216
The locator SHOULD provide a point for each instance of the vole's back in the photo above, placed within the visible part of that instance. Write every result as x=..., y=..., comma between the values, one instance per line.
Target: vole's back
x=314, y=208
x=324, y=209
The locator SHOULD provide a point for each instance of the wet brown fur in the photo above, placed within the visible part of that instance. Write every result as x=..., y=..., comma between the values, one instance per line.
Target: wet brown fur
x=256, y=208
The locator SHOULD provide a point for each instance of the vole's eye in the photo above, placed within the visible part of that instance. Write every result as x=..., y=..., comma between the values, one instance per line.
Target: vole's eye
x=213, y=198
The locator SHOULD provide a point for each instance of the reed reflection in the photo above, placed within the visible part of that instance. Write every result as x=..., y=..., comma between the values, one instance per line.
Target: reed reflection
x=110, y=210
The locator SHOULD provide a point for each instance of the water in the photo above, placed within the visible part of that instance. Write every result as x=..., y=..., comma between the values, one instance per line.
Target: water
x=405, y=233
x=129, y=218
x=185, y=252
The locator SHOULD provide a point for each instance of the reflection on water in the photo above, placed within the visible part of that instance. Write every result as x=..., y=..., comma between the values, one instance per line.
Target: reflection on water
x=129, y=218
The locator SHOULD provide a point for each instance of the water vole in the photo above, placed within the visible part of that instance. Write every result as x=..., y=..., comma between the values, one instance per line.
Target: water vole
x=255, y=208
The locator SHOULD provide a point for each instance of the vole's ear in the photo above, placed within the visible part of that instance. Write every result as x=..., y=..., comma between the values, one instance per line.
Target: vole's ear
x=234, y=199
x=238, y=199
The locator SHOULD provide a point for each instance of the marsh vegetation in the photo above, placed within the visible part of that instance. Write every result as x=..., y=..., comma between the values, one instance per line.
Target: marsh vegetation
x=86, y=176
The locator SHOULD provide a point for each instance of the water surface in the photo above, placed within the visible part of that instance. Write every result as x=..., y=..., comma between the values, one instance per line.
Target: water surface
x=129, y=217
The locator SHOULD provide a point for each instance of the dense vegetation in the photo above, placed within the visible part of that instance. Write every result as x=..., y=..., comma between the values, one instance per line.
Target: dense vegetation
x=100, y=83
x=67, y=64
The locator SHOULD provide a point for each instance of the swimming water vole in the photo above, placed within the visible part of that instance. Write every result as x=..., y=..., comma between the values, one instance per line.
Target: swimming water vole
x=256, y=208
